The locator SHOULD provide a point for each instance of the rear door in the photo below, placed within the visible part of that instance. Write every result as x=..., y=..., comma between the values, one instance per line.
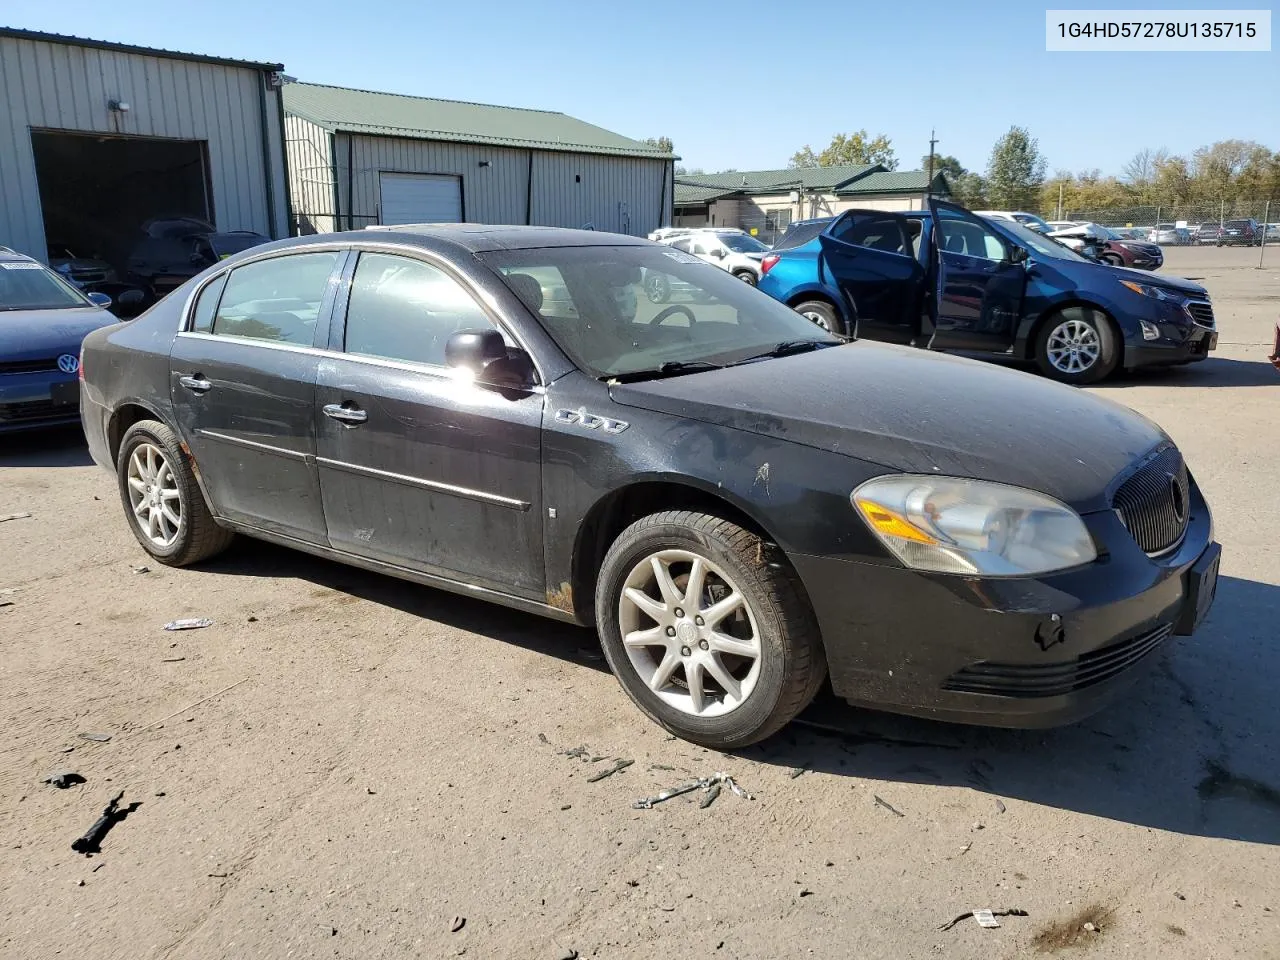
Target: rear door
x=870, y=257
x=979, y=294
x=243, y=381
x=420, y=466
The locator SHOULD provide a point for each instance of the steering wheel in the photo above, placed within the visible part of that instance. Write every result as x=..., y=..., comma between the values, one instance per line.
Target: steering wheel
x=672, y=311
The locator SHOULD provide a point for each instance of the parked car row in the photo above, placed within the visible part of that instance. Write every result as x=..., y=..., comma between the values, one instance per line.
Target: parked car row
x=741, y=503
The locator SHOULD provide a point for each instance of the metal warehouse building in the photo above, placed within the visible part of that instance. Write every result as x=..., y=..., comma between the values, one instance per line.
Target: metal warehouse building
x=358, y=158
x=97, y=138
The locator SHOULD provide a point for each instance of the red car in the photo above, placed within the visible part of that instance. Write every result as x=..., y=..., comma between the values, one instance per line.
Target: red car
x=1116, y=250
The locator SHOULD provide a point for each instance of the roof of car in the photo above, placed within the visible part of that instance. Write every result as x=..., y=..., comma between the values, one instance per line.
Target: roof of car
x=469, y=237
x=7, y=254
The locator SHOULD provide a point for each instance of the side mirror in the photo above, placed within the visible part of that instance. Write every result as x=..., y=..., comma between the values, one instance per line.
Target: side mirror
x=100, y=299
x=718, y=253
x=485, y=354
x=1018, y=255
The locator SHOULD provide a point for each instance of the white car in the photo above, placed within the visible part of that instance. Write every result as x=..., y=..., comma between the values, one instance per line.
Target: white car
x=733, y=250
x=1017, y=216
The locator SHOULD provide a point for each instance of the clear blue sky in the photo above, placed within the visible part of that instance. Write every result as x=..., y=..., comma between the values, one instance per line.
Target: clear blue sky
x=738, y=84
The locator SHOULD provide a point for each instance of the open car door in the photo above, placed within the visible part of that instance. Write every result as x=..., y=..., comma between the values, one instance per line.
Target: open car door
x=981, y=277
x=871, y=256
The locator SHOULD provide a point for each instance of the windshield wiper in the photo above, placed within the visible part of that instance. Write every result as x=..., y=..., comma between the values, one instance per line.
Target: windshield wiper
x=785, y=349
x=670, y=368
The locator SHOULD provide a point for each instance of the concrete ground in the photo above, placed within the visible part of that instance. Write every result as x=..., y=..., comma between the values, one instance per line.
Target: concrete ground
x=386, y=775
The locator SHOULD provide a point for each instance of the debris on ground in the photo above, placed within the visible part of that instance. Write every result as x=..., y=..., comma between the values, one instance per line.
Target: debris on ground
x=797, y=772
x=63, y=779
x=141, y=569
x=610, y=771
x=574, y=752
x=806, y=892
x=458, y=924
x=965, y=849
x=14, y=516
x=985, y=918
x=173, y=659
x=95, y=737
x=1000, y=807
x=1082, y=926
x=710, y=797
x=91, y=841
x=190, y=623
x=702, y=783
x=543, y=738
x=661, y=766
x=6, y=603
x=567, y=955
x=888, y=806
x=191, y=706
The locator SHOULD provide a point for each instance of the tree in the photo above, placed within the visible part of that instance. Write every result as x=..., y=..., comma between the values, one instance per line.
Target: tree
x=1141, y=170
x=661, y=143
x=1015, y=172
x=967, y=187
x=944, y=164
x=848, y=150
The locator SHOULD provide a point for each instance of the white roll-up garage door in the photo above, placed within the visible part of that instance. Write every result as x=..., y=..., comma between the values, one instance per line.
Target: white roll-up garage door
x=420, y=198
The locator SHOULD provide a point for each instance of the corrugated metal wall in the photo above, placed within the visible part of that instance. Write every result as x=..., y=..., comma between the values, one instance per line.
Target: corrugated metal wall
x=311, y=178
x=58, y=86
x=615, y=194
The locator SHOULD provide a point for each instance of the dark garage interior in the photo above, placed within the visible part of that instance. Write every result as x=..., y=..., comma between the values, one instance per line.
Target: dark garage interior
x=97, y=191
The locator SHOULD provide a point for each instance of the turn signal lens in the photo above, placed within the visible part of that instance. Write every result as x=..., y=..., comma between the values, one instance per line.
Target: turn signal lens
x=888, y=523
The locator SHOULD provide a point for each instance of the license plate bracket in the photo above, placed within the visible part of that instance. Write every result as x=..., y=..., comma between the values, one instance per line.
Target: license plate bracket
x=65, y=394
x=1200, y=586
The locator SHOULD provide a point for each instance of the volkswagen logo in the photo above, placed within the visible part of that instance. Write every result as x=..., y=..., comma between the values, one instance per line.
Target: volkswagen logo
x=68, y=363
x=1177, y=499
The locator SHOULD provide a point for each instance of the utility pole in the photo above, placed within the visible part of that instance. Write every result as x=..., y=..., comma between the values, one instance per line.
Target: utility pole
x=1059, y=200
x=933, y=142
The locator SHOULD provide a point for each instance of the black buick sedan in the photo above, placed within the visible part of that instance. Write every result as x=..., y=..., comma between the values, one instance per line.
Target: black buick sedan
x=740, y=504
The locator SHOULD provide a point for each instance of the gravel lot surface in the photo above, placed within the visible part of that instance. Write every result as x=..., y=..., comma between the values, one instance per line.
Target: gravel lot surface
x=393, y=762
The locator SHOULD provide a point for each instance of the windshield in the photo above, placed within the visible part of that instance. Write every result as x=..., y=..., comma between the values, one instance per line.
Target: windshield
x=742, y=243
x=25, y=285
x=1039, y=243
x=1031, y=220
x=801, y=233
x=1104, y=232
x=622, y=310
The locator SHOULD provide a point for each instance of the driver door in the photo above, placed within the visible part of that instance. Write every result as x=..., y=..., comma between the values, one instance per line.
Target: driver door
x=978, y=301
x=869, y=256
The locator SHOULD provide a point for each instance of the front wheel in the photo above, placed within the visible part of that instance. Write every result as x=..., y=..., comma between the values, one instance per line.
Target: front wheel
x=820, y=313
x=747, y=277
x=707, y=629
x=657, y=288
x=162, y=501
x=1077, y=346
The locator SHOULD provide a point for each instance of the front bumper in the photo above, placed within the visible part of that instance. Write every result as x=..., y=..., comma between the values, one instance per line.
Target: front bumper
x=1017, y=653
x=37, y=401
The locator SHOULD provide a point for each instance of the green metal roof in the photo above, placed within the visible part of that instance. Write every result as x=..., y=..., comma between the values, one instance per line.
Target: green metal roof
x=73, y=41
x=422, y=118
x=887, y=181
x=775, y=181
x=687, y=193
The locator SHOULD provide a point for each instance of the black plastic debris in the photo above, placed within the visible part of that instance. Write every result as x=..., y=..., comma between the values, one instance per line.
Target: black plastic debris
x=985, y=917
x=458, y=924
x=14, y=516
x=610, y=771
x=888, y=806
x=63, y=779
x=91, y=841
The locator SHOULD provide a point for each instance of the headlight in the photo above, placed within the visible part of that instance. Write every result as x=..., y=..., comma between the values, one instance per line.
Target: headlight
x=950, y=525
x=1156, y=293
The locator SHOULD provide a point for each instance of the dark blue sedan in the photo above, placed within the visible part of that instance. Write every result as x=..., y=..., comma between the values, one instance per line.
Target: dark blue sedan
x=43, y=320
x=948, y=279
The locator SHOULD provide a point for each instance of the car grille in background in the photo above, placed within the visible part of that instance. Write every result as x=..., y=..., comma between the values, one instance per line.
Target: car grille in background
x=1029, y=680
x=31, y=410
x=1201, y=312
x=43, y=365
x=1155, y=503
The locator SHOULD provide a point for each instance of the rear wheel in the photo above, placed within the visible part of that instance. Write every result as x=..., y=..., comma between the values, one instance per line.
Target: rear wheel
x=821, y=313
x=162, y=501
x=746, y=276
x=1077, y=345
x=707, y=629
x=657, y=288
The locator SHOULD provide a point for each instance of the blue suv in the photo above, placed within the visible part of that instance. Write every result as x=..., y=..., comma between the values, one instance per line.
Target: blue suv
x=947, y=279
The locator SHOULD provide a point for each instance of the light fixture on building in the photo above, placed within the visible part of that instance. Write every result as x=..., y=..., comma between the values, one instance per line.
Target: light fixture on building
x=486, y=163
x=119, y=106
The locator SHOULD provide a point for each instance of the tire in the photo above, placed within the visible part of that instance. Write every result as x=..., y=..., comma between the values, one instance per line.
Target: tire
x=657, y=288
x=1090, y=332
x=1113, y=260
x=820, y=313
x=747, y=277
x=784, y=666
x=160, y=475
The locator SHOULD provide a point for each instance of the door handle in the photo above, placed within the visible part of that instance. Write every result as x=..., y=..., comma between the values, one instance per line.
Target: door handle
x=196, y=384
x=348, y=415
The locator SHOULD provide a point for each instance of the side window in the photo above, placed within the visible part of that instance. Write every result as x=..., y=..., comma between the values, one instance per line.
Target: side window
x=964, y=236
x=277, y=299
x=701, y=247
x=875, y=231
x=206, y=304
x=683, y=244
x=404, y=309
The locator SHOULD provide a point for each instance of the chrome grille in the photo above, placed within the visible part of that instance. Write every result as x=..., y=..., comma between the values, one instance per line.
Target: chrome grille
x=1155, y=503
x=1030, y=680
x=1201, y=312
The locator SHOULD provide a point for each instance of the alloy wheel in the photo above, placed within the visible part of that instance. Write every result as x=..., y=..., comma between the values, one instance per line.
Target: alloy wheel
x=154, y=495
x=689, y=633
x=816, y=318
x=1073, y=346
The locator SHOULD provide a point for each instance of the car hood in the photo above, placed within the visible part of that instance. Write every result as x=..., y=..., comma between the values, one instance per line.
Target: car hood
x=1086, y=273
x=40, y=334
x=916, y=412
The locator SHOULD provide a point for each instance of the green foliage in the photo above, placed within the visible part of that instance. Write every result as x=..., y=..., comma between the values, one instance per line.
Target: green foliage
x=848, y=150
x=662, y=143
x=1015, y=172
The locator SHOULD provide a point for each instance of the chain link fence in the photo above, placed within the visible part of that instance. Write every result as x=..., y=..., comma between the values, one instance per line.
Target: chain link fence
x=1186, y=222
